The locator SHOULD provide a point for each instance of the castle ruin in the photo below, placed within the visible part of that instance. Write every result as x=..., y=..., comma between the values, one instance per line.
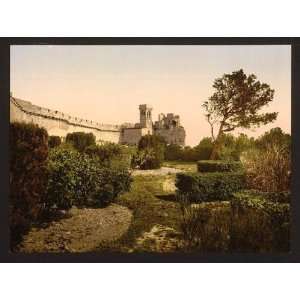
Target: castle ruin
x=60, y=124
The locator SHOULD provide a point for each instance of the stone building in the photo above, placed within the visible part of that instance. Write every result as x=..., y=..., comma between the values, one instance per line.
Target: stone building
x=60, y=124
x=169, y=127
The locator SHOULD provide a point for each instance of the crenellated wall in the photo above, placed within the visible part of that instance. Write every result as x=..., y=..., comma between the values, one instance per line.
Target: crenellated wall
x=58, y=123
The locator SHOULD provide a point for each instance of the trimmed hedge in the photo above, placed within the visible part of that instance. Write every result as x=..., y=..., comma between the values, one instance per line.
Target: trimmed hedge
x=254, y=199
x=54, y=141
x=274, y=197
x=260, y=224
x=218, y=166
x=199, y=187
x=28, y=175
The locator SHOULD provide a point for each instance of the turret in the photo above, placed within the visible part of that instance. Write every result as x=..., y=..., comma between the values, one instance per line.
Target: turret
x=145, y=116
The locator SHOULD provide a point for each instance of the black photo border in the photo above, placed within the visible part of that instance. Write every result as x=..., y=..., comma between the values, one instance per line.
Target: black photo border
x=7, y=256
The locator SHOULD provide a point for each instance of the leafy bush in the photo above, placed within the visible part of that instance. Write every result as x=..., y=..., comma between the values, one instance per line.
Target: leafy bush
x=275, y=197
x=200, y=152
x=146, y=159
x=189, y=154
x=199, y=187
x=218, y=166
x=105, y=153
x=110, y=183
x=259, y=224
x=274, y=137
x=173, y=152
x=81, y=140
x=77, y=179
x=28, y=175
x=204, y=148
x=150, y=154
x=54, y=141
x=64, y=167
x=233, y=147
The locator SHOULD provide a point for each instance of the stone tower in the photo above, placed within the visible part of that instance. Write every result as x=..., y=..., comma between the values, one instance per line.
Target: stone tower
x=145, y=116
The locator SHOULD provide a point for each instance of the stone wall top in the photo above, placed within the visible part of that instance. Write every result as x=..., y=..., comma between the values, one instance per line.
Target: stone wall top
x=32, y=109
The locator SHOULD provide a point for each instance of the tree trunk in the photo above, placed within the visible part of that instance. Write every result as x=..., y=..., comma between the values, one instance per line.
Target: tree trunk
x=217, y=144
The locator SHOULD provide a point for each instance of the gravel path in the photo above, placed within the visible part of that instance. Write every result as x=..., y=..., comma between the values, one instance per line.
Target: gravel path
x=159, y=239
x=83, y=231
x=161, y=171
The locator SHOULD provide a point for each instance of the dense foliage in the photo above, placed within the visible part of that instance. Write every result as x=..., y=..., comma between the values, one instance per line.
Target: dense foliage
x=71, y=176
x=173, y=152
x=81, y=140
x=105, y=152
x=236, y=103
x=77, y=179
x=151, y=150
x=231, y=149
x=199, y=187
x=54, y=141
x=268, y=165
x=249, y=223
x=28, y=175
x=259, y=224
x=218, y=166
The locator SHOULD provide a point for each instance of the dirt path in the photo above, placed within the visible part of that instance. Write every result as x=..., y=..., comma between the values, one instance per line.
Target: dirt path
x=157, y=172
x=83, y=231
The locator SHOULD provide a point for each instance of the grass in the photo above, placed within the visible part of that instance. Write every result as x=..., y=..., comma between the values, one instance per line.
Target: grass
x=148, y=210
x=184, y=166
x=152, y=206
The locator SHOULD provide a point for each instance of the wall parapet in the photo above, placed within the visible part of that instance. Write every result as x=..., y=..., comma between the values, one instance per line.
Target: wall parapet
x=34, y=110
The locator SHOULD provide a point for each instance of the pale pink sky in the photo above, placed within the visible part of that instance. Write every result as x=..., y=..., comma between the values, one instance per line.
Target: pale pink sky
x=107, y=83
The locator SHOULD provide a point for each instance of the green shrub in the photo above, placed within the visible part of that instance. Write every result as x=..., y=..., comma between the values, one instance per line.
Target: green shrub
x=146, y=159
x=151, y=149
x=259, y=224
x=201, y=187
x=77, y=179
x=173, y=152
x=275, y=197
x=28, y=175
x=203, y=149
x=63, y=166
x=110, y=183
x=54, y=141
x=81, y=140
x=218, y=166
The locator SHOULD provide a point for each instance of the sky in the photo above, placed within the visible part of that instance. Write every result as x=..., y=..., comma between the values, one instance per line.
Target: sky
x=107, y=83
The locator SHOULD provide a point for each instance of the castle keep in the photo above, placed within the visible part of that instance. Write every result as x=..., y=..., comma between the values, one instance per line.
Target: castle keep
x=60, y=124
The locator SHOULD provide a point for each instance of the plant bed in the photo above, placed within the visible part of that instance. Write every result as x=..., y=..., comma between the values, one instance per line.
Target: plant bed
x=259, y=224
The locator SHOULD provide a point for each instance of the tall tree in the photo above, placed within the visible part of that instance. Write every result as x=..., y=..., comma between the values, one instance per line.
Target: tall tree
x=236, y=103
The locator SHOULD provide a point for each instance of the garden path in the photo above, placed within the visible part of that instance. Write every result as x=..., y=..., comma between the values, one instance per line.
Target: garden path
x=82, y=231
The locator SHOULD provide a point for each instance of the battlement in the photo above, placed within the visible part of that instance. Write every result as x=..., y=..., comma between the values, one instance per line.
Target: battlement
x=32, y=109
x=58, y=123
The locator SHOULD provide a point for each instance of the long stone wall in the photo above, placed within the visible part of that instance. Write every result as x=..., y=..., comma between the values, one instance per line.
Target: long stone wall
x=58, y=123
